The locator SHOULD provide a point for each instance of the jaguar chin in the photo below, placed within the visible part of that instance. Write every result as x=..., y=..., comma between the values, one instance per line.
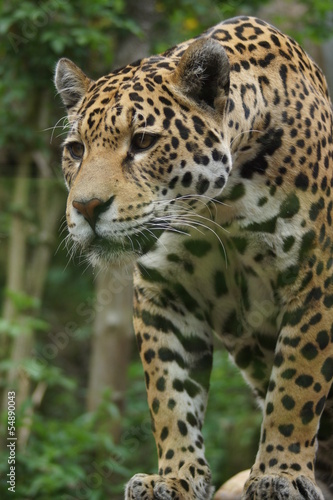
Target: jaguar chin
x=106, y=250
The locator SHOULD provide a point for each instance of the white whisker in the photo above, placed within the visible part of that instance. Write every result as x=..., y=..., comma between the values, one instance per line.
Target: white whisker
x=246, y=132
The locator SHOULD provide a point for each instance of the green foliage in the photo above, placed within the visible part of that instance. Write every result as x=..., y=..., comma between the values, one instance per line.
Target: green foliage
x=316, y=23
x=33, y=37
x=71, y=454
x=69, y=459
x=188, y=18
x=22, y=301
x=23, y=326
x=232, y=422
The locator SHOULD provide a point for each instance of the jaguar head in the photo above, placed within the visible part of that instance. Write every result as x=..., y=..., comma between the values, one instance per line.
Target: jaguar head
x=145, y=147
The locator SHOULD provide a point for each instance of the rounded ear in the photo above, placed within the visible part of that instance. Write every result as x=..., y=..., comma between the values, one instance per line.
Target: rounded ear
x=71, y=83
x=203, y=73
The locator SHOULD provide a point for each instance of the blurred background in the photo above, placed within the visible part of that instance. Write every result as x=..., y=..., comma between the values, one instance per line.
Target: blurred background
x=66, y=343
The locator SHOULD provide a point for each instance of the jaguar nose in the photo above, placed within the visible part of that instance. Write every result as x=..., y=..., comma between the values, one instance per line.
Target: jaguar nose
x=91, y=209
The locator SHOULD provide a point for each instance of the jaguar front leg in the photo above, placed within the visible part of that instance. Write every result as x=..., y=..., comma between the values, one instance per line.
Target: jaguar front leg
x=176, y=352
x=300, y=382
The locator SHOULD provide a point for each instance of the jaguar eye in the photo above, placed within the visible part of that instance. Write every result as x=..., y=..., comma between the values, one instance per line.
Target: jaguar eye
x=76, y=150
x=143, y=141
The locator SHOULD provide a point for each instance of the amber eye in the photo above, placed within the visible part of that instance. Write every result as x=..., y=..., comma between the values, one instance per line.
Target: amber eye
x=143, y=141
x=76, y=150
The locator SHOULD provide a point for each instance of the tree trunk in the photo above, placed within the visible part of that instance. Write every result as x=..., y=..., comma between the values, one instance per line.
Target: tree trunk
x=112, y=339
x=28, y=265
x=130, y=48
x=31, y=282
x=50, y=208
x=16, y=261
x=17, y=241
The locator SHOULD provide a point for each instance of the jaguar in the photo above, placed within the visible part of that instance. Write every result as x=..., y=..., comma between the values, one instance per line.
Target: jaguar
x=210, y=168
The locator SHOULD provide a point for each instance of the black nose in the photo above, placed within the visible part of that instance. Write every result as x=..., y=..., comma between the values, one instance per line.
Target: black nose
x=91, y=209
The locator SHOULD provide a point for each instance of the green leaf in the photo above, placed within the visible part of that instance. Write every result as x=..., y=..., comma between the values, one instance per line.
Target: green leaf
x=22, y=301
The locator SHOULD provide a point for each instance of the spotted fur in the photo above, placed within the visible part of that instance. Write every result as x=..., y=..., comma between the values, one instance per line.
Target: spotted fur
x=210, y=166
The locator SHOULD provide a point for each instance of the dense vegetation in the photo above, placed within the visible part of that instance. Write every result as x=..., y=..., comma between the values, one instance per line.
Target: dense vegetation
x=48, y=299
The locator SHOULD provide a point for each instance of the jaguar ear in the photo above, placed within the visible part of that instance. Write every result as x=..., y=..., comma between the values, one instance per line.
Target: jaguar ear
x=203, y=73
x=71, y=83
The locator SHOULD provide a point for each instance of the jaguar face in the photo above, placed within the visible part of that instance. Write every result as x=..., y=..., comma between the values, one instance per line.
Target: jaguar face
x=145, y=149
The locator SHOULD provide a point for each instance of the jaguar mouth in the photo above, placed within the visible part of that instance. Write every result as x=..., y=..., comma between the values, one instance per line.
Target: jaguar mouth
x=134, y=245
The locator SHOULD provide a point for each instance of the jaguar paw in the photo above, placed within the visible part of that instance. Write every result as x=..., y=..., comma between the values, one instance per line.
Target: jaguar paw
x=281, y=488
x=155, y=487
